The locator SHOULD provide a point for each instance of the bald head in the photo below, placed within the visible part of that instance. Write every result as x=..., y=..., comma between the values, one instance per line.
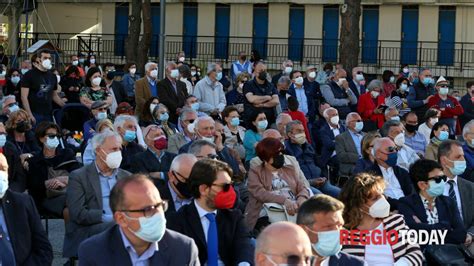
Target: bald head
x=281, y=238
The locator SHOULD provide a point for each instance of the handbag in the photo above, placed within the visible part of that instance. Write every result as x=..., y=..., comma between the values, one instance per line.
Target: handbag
x=61, y=172
x=447, y=254
x=277, y=213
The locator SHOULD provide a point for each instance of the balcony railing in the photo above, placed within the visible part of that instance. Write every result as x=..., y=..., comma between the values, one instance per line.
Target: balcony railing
x=450, y=59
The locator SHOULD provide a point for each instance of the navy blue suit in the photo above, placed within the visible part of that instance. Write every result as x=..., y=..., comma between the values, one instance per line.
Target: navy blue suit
x=328, y=143
x=107, y=248
x=343, y=258
x=448, y=215
x=403, y=178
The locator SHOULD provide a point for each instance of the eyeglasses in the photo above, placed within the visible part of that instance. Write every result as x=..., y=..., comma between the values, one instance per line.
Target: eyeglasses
x=392, y=149
x=293, y=260
x=225, y=187
x=151, y=210
x=189, y=121
x=180, y=175
x=438, y=179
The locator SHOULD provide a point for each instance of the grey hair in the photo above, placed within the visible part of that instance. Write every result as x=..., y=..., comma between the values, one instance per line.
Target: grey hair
x=5, y=98
x=182, y=159
x=468, y=128
x=286, y=62
x=317, y=204
x=325, y=113
x=185, y=112
x=350, y=115
x=390, y=108
x=444, y=148
x=99, y=139
x=201, y=119
x=387, y=125
x=211, y=67
x=374, y=84
x=121, y=119
x=378, y=143
x=170, y=63
x=280, y=117
x=290, y=125
x=284, y=80
x=196, y=146
x=149, y=65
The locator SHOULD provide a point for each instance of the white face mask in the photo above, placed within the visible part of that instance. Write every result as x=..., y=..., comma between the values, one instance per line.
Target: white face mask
x=152, y=107
x=209, y=139
x=174, y=73
x=154, y=73
x=96, y=81
x=92, y=61
x=75, y=62
x=193, y=73
x=47, y=64
x=340, y=81
x=181, y=59
x=334, y=120
x=375, y=94
x=300, y=138
x=288, y=70
x=312, y=75
x=3, y=183
x=399, y=139
x=113, y=159
x=434, y=121
x=132, y=71
x=299, y=81
x=380, y=208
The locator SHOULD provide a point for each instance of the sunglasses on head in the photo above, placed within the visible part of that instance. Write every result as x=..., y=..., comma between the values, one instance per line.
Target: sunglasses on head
x=438, y=179
x=225, y=187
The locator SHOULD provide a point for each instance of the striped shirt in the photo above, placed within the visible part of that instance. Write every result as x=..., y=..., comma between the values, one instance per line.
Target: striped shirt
x=400, y=250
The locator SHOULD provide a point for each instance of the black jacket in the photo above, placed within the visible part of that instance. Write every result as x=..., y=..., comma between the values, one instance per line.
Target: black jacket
x=146, y=162
x=171, y=98
x=16, y=172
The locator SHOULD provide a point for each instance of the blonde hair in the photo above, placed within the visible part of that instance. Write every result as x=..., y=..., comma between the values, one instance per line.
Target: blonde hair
x=10, y=125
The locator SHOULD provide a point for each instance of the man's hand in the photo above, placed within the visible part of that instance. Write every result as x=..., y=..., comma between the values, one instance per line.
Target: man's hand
x=218, y=141
x=468, y=240
x=318, y=182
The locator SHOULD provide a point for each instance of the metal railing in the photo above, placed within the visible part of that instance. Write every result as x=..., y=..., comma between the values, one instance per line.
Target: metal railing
x=450, y=59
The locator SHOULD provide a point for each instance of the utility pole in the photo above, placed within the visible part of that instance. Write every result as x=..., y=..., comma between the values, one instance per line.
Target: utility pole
x=161, y=54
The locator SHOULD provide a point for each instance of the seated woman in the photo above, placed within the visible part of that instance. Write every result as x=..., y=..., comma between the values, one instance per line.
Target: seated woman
x=19, y=131
x=93, y=89
x=367, y=160
x=88, y=156
x=160, y=117
x=48, y=170
x=439, y=134
x=234, y=133
x=366, y=208
x=145, y=118
x=371, y=105
x=431, y=118
x=398, y=98
x=254, y=134
x=275, y=180
x=429, y=209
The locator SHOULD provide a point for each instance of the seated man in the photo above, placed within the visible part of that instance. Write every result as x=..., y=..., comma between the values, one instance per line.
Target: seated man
x=184, y=135
x=23, y=240
x=99, y=112
x=328, y=133
x=218, y=231
x=9, y=105
x=398, y=183
x=297, y=146
x=88, y=193
x=278, y=241
x=126, y=126
x=413, y=138
x=281, y=121
x=155, y=161
x=395, y=131
x=349, y=143
x=140, y=236
x=175, y=190
x=391, y=113
x=321, y=218
x=468, y=148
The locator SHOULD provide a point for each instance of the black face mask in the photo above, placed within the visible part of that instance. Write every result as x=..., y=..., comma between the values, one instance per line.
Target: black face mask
x=22, y=126
x=283, y=92
x=411, y=128
x=262, y=75
x=183, y=189
x=223, y=138
x=278, y=161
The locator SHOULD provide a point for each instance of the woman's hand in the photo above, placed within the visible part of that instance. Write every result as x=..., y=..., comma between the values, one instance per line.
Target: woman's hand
x=291, y=207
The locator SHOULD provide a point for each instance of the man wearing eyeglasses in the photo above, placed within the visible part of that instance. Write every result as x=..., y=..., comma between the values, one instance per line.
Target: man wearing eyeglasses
x=385, y=164
x=184, y=136
x=140, y=236
x=219, y=231
x=283, y=243
x=321, y=218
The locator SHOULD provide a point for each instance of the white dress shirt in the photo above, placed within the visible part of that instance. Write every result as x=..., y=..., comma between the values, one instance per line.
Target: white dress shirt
x=456, y=191
x=336, y=132
x=393, y=189
x=406, y=157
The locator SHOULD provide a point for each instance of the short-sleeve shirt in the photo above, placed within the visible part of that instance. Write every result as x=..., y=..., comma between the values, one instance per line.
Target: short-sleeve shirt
x=256, y=89
x=42, y=85
x=99, y=95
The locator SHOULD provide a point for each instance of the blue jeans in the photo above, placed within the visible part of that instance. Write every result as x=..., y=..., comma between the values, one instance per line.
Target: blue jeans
x=40, y=118
x=327, y=189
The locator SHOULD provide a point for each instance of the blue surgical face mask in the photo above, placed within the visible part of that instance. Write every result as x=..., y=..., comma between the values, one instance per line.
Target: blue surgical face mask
x=328, y=243
x=3, y=140
x=15, y=80
x=458, y=167
x=262, y=124
x=359, y=126
x=164, y=117
x=130, y=135
x=52, y=143
x=443, y=135
x=427, y=81
x=195, y=106
x=392, y=159
x=152, y=229
x=235, y=121
x=404, y=87
x=435, y=189
x=101, y=115
x=416, y=80
x=219, y=76
x=13, y=108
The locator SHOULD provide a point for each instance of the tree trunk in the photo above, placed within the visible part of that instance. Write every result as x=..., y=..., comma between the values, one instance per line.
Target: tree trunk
x=349, y=45
x=13, y=13
x=145, y=42
x=131, y=42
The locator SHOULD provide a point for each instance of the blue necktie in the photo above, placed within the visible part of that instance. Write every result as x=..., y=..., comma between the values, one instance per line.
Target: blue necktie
x=6, y=252
x=212, y=246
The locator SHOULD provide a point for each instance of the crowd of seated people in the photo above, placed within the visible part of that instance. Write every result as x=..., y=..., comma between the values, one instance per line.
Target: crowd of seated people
x=206, y=164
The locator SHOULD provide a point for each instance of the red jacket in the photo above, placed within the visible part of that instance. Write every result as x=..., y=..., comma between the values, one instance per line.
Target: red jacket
x=366, y=107
x=298, y=115
x=454, y=109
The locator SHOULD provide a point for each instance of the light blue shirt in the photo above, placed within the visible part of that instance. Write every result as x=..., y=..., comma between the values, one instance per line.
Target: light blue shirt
x=302, y=100
x=178, y=203
x=357, y=138
x=106, y=185
x=417, y=142
x=3, y=224
x=144, y=259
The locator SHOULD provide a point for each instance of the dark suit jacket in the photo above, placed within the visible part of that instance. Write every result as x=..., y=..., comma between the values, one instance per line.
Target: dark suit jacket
x=28, y=238
x=146, y=162
x=165, y=194
x=448, y=215
x=107, y=248
x=84, y=201
x=233, y=236
x=173, y=100
x=328, y=142
x=346, y=153
x=403, y=178
x=343, y=258
x=466, y=190
x=16, y=172
x=119, y=92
